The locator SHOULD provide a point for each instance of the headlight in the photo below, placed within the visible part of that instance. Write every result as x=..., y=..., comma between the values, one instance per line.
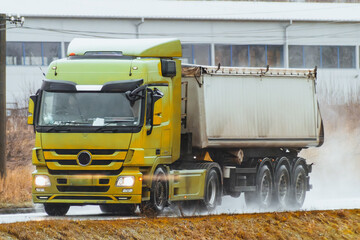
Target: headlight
x=125, y=181
x=42, y=181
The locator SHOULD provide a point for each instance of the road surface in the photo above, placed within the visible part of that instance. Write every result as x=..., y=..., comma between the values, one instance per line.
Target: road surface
x=229, y=206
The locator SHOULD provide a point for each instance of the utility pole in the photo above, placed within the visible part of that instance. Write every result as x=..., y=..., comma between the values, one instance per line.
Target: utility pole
x=2, y=94
x=13, y=20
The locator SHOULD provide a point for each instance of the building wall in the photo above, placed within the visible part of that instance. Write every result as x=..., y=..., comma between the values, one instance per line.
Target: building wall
x=218, y=38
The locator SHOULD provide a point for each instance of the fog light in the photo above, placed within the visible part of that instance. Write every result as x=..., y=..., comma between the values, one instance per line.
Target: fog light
x=127, y=190
x=125, y=181
x=43, y=198
x=42, y=181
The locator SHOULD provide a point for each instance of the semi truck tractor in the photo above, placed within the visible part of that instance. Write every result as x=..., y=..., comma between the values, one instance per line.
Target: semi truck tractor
x=120, y=123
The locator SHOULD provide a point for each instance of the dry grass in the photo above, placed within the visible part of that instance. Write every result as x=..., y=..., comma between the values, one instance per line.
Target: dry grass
x=20, y=140
x=340, y=224
x=15, y=188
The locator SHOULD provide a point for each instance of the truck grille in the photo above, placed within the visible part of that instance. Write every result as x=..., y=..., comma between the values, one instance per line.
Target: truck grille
x=83, y=188
x=92, y=151
x=93, y=163
x=86, y=172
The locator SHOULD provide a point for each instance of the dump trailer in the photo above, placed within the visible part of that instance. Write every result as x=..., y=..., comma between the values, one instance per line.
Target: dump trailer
x=120, y=123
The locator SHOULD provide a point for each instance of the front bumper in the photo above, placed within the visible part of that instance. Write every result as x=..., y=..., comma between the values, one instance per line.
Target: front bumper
x=87, y=189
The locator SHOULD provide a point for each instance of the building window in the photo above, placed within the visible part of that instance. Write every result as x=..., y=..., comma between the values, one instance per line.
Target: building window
x=275, y=56
x=14, y=53
x=51, y=52
x=66, y=46
x=322, y=56
x=240, y=55
x=202, y=54
x=196, y=54
x=32, y=53
x=296, y=57
x=257, y=56
x=347, y=57
x=249, y=55
x=312, y=56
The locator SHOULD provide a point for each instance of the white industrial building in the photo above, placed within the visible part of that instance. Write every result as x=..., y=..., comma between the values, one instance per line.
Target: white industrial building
x=245, y=34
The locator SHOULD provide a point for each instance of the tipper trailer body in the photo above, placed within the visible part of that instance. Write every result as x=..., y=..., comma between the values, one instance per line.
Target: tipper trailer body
x=120, y=123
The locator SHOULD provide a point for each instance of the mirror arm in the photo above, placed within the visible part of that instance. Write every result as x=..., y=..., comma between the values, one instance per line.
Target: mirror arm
x=151, y=114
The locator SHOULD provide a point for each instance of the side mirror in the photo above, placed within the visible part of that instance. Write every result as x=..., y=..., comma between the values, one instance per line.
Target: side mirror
x=168, y=68
x=31, y=109
x=156, y=108
x=157, y=112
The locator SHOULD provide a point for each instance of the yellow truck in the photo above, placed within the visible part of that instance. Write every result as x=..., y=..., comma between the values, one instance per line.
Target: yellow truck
x=120, y=123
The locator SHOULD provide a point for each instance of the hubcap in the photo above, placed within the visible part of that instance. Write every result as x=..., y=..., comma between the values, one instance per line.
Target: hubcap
x=299, y=188
x=283, y=188
x=159, y=193
x=265, y=189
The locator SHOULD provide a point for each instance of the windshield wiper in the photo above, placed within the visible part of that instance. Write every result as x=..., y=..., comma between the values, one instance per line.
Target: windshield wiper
x=107, y=122
x=58, y=129
x=72, y=123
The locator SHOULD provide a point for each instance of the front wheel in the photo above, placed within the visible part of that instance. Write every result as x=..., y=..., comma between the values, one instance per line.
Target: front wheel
x=158, y=194
x=55, y=209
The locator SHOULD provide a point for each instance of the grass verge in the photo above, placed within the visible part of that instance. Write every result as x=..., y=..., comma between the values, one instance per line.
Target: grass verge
x=338, y=224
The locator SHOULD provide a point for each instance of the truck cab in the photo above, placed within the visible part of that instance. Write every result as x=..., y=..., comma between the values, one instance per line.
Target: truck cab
x=105, y=118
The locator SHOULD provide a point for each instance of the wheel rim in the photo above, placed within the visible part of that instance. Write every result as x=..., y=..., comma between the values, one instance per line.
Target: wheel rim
x=159, y=194
x=211, y=192
x=300, y=188
x=283, y=188
x=265, y=189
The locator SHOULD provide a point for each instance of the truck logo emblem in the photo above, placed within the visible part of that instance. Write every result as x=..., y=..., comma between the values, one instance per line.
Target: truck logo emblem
x=84, y=158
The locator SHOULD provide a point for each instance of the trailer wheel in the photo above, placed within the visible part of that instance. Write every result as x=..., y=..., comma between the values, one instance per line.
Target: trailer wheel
x=298, y=187
x=212, y=190
x=282, y=187
x=56, y=209
x=158, y=194
x=262, y=197
x=120, y=209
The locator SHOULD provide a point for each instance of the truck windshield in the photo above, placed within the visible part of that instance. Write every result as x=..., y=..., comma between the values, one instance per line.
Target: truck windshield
x=88, y=109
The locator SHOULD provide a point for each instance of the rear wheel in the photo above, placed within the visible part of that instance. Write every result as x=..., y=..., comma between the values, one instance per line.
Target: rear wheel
x=56, y=209
x=282, y=187
x=262, y=197
x=121, y=209
x=298, y=187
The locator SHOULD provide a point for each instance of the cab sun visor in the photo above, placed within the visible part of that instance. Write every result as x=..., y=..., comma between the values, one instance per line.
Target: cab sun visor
x=68, y=86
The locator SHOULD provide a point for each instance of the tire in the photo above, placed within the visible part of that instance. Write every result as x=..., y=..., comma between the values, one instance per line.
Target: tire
x=56, y=209
x=299, y=187
x=262, y=197
x=212, y=191
x=282, y=188
x=119, y=209
x=158, y=194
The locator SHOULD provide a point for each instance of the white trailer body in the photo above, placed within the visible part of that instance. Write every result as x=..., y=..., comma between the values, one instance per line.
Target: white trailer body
x=250, y=107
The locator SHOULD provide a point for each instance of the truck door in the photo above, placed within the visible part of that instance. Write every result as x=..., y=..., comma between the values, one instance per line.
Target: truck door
x=157, y=121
